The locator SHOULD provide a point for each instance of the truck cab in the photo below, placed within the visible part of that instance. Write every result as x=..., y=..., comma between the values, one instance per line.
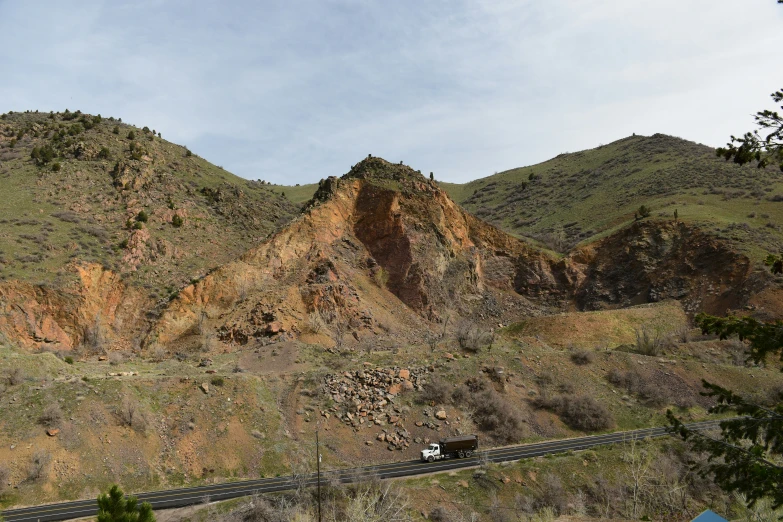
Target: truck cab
x=431, y=453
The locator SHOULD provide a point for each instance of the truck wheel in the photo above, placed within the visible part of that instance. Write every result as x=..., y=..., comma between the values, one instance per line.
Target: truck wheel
x=430, y=459
x=461, y=454
x=469, y=453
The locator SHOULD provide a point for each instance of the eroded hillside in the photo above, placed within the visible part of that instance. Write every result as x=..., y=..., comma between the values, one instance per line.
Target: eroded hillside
x=82, y=188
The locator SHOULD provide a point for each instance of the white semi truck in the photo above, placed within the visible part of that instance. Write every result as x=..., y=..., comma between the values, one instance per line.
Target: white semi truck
x=461, y=447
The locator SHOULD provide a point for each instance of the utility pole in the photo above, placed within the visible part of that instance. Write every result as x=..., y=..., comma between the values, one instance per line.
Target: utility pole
x=318, y=466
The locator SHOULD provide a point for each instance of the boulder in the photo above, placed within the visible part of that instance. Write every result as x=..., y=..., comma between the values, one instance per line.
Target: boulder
x=440, y=415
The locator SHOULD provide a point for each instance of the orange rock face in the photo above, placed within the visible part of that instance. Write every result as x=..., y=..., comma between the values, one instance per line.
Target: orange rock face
x=381, y=251
x=99, y=303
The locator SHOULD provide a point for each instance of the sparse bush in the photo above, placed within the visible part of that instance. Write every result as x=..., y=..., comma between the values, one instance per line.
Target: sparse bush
x=68, y=359
x=635, y=383
x=104, y=153
x=643, y=211
x=15, y=376
x=315, y=322
x=177, y=221
x=56, y=166
x=648, y=341
x=52, y=416
x=582, y=357
x=551, y=494
x=435, y=390
x=472, y=338
x=217, y=381
x=439, y=514
x=159, y=354
x=188, y=153
x=39, y=465
x=380, y=276
x=493, y=414
x=5, y=476
x=582, y=413
x=131, y=414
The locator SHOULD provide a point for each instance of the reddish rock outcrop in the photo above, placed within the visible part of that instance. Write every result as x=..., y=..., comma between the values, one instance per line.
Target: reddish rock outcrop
x=97, y=308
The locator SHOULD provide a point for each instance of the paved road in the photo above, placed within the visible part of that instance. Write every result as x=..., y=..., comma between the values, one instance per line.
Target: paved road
x=188, y=496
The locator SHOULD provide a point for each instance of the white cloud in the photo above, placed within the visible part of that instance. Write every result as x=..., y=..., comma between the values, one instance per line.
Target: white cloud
x=293, y=92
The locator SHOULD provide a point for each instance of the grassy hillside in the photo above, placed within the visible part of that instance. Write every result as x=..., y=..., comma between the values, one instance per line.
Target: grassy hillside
x=579, y=197
x=576, y=198
x=297, y=194
x=78, y=187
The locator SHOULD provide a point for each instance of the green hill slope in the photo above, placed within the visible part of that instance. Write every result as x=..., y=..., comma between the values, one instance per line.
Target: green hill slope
x=580, y=197
x=77, y=187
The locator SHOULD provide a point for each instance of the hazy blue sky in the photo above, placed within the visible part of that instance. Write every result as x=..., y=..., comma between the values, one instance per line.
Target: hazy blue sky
x=294, y=91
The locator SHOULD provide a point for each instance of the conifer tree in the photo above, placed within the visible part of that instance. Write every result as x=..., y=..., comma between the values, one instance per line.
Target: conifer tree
x=115, y=507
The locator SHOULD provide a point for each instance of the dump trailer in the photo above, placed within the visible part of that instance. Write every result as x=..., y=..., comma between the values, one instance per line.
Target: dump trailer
x=462, y=446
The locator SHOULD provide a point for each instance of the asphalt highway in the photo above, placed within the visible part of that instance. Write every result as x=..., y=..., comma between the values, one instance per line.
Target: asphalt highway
x=174, y=498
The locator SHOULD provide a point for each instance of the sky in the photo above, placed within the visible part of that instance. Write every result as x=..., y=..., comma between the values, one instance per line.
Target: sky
x=295, y=91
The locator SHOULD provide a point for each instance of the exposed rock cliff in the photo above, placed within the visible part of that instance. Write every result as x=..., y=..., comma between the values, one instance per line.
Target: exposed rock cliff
x=98, y=312
x=383, y=251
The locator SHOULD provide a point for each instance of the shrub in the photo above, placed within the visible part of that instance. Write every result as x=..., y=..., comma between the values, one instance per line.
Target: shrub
x=15, y=376
x=217, y=381
x=648, y=342
x=493, y=414
x=379, y=275
x=435, y=390
x=188, y=153
x=131, y=414
x=472, y=338
x=56, y=167
x=643, y=211
x=104, y=153
x=68, y=359
x=177, y=221
x=5, y=476
x=116, y=129
x=633, y=382
x=142, y=216
x=131, y=135
x=51, y=416
x=582, y=413
x=582, y=357
x=42, y=155
x=39, y=465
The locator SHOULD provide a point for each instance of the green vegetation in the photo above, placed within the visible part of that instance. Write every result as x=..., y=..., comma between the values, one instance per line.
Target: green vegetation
x=580, y=197
x=745, y=459
x=60, y=206
x=761, y=149
x=115, y=507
